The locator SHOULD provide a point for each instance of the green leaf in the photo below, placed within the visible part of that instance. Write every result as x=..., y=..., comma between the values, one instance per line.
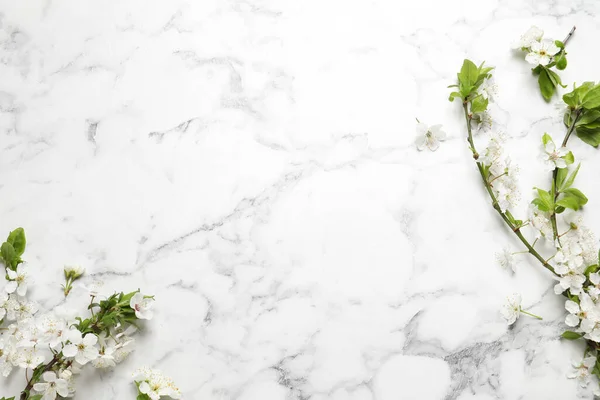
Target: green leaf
x=547, y=139
x=35, y=397
x=591, y=269
x=559, y=44
x=561, y=175
x=570, y=180
x=8, y=253
x=561, y=61
x=479, y=104
x=573, y=199
x=577, y=193
x=547, y=87
x=453, y=95
x=570, y=335
x=591, y=99
x=554, y=78
x=589, y=136
x=544, y=200
x=569, y=158
x=467, y=77
x=17, y=239
x=590, y=119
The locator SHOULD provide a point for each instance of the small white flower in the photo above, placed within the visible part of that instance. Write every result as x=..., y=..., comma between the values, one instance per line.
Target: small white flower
x=506, y=259
x=17, y=281
x=594, y=288
x=29, y=358
x=52, y=386
x=554, y=157
x=488, y=89
x=154, y=384
x=142, y=306
x=540, y=222
x=508, y=197
x=429, y=137
x=512, y=308
x=73, y=272
x=484, y=121
x=105, y=358
x=534, y=34
x=54, y=330
x=583, y=370
x=583, y=312
x=542, y=52
x=83, y=349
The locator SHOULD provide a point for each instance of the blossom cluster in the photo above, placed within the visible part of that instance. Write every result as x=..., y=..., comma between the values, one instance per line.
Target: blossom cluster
x=502, y=174
x=152, y=384
x=53, y=347
x=539, y=51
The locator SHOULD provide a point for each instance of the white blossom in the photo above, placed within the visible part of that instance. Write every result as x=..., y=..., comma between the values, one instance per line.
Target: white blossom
x=17, y=281
x=584, y=312
x=541, y=52
x=488, y=89
x=582, y=370
x=155, y=385
x=73, y=272
x=429, y=137
x=540, y=221
x=51, y=386
x=512, y=308
x=29, y=358
x=506, y=259
x=554, y=157
x=83, y=349
x=142, y=306
x=533, y=34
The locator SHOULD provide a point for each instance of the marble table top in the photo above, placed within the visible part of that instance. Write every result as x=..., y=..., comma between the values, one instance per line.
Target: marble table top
x=252, y=164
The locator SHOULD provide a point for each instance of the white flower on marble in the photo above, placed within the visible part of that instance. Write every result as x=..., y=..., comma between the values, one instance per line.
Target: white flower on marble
x=533, y=34
x=584, y=312
x=51, y=386
x=582, y=370
x=594, y=288
x=429, y=137
x=541, y=52
x=17, y=281
x=512, y=308
x=554, y=157
x=506, y=259
x=142, y=306
x=82, y=348
x=154, y=384
x=488, y=89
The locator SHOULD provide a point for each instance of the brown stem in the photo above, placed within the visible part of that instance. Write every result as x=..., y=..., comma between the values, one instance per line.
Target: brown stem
x=569, y=36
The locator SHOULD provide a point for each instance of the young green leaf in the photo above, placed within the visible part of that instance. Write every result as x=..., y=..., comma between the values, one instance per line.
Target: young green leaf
x=569, y=158
x=569, y=182
x=546, y=139
x=479, y=104
x=590, y=119
x=573, y=199
x=8, y=254
x=561, y=175
x=17, y=239
x=591, y=269
x=561, y=61
x=547, y=87
x=467, y=77
x=554, y=78
x=570, y=335
x=453, y=95
x=544, y=200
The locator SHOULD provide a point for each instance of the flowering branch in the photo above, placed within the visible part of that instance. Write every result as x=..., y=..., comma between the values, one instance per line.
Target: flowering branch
x=507, y=217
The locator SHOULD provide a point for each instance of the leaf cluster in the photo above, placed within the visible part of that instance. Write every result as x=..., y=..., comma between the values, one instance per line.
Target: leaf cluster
x=584, y=109
x=110, y=312
x=470, y=79
x=13, y=248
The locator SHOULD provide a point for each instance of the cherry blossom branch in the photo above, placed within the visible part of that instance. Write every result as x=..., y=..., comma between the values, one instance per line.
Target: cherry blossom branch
x=488, y=187
x=31, y=382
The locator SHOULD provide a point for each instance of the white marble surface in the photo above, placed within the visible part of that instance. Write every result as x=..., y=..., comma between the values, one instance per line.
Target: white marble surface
x=251, y=163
